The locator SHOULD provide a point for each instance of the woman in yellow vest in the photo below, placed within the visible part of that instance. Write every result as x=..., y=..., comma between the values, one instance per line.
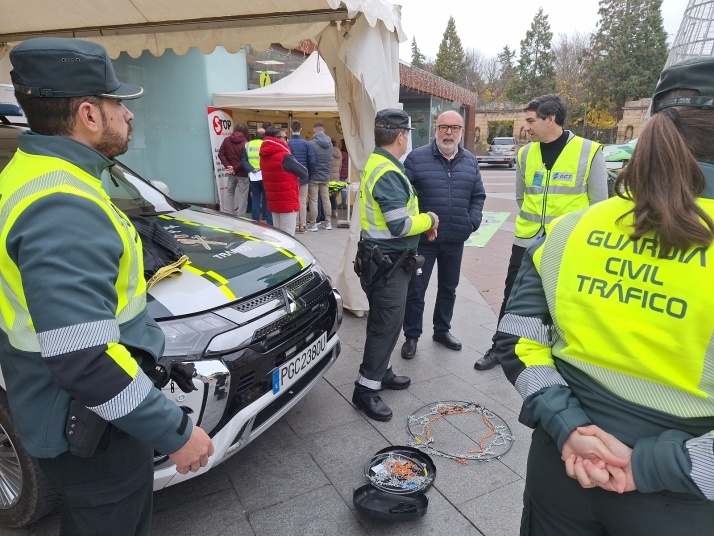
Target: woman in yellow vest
x=609, y=338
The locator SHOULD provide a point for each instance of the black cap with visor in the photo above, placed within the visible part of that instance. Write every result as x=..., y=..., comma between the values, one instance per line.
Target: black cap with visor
x=696, y=74
x=56, y=67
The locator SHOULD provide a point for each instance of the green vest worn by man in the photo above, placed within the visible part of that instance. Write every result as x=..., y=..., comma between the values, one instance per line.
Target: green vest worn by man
x=387, y=199
x=73, y=302
x=252, y=149
x=555, y=192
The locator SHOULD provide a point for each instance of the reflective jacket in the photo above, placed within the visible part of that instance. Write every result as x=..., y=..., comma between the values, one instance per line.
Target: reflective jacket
x=560, y=190
x=605, y=330
x=73, y=306
x=251, y=154
x=389, y=206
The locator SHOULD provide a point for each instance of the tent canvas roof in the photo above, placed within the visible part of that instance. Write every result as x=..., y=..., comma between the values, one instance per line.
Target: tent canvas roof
x=310, y=88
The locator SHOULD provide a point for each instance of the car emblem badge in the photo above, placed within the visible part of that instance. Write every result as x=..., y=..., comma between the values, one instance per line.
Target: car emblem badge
x=290, y=301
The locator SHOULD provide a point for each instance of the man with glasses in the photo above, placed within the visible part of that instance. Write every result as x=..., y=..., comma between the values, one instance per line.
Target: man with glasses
x=557, y=173
x=447, y=180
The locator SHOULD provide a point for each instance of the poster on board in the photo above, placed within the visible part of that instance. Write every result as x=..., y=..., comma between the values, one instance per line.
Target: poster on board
x=220, y=126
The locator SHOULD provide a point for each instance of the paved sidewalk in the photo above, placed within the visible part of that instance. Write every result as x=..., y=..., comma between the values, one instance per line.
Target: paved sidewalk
x=298, y=477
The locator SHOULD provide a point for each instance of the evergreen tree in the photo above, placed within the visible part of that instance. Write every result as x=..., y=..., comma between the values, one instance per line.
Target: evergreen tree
x=450, y=63
x=418, y=58
x=629, y=51
x=535, y=72
x=506, y=70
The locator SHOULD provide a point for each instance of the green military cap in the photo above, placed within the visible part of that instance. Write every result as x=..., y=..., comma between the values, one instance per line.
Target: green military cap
x=392, y=118
x=696, y=74
x=56, y=67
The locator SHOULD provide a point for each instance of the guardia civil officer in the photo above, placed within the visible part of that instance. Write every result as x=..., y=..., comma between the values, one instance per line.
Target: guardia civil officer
x=76, y=337
x=608, y=338
x=558, y=172
x=391, y=225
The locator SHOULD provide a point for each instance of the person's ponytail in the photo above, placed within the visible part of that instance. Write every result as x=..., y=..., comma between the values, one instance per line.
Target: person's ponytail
x=664, y=179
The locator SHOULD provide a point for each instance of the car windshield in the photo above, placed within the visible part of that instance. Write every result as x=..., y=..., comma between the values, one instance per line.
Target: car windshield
x=503, y=141
x=134, y=195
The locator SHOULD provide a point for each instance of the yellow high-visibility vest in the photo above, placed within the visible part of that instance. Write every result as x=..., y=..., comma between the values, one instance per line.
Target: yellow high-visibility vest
x=552, y=193
x=637, y=323
x=252, y=149
x=28, y=178
x=374, y=224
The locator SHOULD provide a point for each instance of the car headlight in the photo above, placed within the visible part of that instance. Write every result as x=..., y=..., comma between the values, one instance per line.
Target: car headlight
x=188, y=338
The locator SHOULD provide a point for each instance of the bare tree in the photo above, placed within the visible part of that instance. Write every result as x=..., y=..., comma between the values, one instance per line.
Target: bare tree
x=570, y=67
x=474, y=60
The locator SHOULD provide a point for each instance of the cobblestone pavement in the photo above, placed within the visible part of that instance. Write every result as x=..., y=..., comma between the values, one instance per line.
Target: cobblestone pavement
x=298, y=477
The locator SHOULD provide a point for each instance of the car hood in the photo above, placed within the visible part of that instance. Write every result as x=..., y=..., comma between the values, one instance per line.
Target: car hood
x=229, y=259
x=618, y=153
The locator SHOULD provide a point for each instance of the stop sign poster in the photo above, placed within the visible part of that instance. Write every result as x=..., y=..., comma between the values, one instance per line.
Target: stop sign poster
x=220, y=126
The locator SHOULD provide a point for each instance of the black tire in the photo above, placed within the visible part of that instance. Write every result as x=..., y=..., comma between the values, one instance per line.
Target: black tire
x=510, y=164
x=36, y=497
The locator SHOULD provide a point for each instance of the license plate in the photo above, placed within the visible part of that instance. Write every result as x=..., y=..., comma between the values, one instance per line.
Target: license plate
x=298, y=365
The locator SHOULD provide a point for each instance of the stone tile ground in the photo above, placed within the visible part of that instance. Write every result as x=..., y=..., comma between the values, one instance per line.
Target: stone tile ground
x=298, y=477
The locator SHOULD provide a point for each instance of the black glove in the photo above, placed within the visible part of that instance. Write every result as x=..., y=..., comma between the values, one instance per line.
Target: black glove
x=166, y=370
x=183, y=374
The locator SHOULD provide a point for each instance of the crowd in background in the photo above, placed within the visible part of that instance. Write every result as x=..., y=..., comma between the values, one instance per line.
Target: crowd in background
x=302, y=181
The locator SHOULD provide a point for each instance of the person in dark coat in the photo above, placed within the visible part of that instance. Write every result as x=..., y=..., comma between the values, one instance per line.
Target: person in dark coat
x=447, y=181
x=238, y=181
x=304, y=153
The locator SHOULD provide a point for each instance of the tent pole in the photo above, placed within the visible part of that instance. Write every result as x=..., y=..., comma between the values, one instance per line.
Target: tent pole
x=349, y=191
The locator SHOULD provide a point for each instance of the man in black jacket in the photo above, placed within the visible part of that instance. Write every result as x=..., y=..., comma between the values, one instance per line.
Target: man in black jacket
x=447, y=180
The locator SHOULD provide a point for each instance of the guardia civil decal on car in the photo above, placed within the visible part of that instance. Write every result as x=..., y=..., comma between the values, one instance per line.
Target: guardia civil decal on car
x=252, y=310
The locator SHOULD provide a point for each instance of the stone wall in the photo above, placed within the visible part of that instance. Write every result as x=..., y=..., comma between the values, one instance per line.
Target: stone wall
x=499, y=111
x=633, y=118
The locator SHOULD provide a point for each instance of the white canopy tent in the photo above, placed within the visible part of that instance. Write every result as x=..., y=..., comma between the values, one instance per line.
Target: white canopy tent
x=310, y=88
x=358, y=40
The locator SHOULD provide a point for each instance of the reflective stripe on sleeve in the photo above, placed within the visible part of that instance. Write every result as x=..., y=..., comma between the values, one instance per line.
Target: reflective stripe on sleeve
x=701, y=453
x=537, y=377
x=127, y=400
x=528, y=328
x=78, y=337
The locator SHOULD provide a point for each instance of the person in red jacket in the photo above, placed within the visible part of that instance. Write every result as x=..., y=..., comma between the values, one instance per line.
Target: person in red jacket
x=230, y=156
x=280, y=179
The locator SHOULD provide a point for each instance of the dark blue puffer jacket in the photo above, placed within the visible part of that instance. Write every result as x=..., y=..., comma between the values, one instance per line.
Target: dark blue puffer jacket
x=450, y=189
x=304, y=153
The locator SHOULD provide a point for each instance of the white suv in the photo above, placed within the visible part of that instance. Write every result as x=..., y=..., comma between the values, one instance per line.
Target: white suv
x=501, y=151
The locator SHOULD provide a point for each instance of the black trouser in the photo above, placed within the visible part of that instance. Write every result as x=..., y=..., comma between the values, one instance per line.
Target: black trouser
x=387, y=298
x=514, y=265
x=556, y=505
x=449, y=258
x=108, y=494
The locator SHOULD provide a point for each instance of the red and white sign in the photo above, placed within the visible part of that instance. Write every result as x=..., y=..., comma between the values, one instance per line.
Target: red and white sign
x=220, y=126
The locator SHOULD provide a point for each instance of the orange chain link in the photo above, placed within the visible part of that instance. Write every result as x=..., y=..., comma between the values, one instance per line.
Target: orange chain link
x=459, y=410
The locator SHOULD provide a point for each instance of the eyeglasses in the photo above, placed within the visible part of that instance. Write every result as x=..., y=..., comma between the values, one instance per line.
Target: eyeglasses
x=453, y=128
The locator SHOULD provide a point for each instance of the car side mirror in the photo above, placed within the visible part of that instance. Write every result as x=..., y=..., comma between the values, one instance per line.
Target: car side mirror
x=161, y=187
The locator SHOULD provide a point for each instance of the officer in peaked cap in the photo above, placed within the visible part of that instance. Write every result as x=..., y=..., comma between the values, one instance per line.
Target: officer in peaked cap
x=76, y=337
x=386, y=257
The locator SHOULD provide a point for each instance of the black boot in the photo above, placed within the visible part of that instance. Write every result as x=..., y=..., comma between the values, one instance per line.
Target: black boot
x=487, y=362
x=409, y=348
x=396, y=383
x=448, y=340
x=373, y=406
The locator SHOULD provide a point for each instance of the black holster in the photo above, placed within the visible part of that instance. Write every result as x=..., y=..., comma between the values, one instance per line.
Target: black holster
x=84, y=429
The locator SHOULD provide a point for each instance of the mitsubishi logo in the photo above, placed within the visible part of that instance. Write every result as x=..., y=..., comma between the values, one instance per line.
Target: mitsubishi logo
x=291, y=304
